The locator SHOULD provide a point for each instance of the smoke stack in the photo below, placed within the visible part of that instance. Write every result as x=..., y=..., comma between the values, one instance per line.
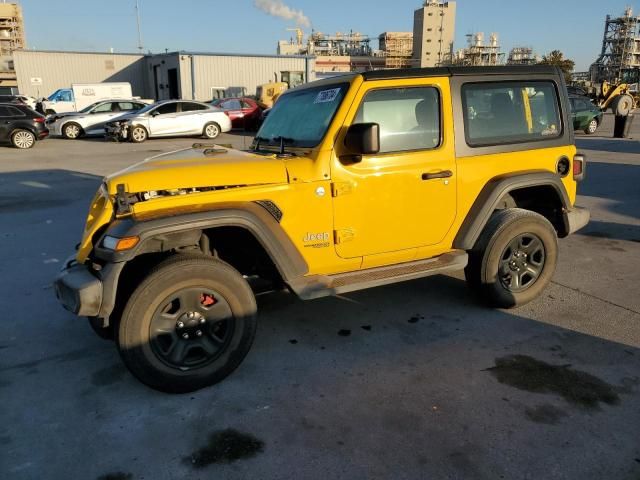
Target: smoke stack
x=276, y=8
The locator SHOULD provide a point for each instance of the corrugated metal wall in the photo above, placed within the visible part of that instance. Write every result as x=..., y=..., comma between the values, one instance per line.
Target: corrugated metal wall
x=61, y=69
x=236, y=72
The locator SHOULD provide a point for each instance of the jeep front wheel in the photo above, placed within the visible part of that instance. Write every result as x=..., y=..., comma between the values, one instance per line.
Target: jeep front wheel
x=514, y=259
x=188, y=325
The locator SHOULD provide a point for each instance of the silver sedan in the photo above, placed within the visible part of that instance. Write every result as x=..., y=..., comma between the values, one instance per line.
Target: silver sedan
x=92, y=119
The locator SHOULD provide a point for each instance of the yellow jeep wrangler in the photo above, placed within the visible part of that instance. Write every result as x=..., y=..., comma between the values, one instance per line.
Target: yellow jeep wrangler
x=352, y=182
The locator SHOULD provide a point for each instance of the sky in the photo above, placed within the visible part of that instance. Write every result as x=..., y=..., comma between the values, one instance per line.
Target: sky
x=574, y=27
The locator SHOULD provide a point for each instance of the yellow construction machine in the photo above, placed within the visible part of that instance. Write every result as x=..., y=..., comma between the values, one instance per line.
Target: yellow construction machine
x=268, y=93
x=618, y=97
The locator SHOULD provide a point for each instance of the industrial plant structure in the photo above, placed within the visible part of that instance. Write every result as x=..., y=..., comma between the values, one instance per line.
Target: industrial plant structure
x=397, y=49
x=433, y=33
x=339, y=53
x=478, y=53
x=620, y=55
x=11, y=39
x=522, y=56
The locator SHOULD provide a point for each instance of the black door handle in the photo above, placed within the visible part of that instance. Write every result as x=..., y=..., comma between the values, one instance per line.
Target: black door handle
x=442, y=174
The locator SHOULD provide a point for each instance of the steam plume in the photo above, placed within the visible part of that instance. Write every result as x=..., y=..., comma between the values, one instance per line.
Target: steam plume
x=278, y=9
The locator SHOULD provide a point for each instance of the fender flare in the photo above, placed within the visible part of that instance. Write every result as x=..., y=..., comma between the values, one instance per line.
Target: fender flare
x=261, y=219
x=489, y=198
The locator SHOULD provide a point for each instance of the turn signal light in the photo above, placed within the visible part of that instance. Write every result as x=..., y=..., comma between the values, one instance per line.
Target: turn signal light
x=119, y=244
x=578, y=167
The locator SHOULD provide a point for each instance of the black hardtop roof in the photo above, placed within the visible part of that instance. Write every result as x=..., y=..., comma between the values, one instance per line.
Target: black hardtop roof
x=461, y=71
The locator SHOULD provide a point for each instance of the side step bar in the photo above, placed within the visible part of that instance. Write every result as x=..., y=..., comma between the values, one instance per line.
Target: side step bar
x=317, y=286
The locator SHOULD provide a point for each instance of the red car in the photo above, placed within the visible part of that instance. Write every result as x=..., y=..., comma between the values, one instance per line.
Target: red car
x=244, y=112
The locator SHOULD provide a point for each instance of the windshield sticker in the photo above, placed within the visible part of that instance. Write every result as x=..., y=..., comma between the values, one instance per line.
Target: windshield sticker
x=327, y=96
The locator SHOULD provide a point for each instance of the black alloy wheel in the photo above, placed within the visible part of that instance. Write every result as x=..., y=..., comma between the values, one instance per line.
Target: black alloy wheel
x=191, y=328
x=522, y=262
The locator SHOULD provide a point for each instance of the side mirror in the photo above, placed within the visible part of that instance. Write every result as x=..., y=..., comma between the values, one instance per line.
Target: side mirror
x=155, y=113
x=363, y=139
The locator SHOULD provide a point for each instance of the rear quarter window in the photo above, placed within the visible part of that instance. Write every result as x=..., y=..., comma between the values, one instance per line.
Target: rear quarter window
x=502, y=113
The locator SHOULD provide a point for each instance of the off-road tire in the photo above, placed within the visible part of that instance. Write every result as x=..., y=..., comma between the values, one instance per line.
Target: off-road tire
x=71, y=131
x=138, y=134
x=591, y=128
x=504, y=227
x=211, y=130
x=23, y=139
x=622, y=105
x=185, y=273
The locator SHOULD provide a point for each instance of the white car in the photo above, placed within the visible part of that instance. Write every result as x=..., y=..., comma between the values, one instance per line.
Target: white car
x=92, y=119
x=170, y=118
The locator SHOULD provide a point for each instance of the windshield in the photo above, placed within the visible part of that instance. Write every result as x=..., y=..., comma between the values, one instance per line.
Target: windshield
x=88, y=108
x=53, y=95
x=61, y=95
x=300, y=118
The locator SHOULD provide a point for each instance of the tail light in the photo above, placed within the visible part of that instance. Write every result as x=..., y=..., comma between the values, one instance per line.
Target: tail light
x=579, y=164
x=39, y=119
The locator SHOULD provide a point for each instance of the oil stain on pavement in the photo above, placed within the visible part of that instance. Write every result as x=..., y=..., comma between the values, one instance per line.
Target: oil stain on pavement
x=108, y=375
x=226, y=446
x=116, y=476
x=575, y=386
x=548, y=414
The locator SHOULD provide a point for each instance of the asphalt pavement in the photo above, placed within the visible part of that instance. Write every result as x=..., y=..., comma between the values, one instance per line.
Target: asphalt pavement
x=408, y=381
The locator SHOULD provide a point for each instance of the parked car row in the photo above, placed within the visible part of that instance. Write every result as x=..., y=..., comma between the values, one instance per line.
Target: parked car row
x=132, y=119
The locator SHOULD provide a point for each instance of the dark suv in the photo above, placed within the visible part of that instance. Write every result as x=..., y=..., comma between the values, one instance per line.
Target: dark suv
x=20, y=125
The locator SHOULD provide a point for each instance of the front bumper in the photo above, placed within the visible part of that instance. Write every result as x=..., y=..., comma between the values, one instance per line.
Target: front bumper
x=116, y=132
x=577, y=218
x=78, y=289
x=87, y=292
x=54, y=128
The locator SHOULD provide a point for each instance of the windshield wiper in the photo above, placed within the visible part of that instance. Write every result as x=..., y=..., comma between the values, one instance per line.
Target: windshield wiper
x=282, y=141
x=256, y=147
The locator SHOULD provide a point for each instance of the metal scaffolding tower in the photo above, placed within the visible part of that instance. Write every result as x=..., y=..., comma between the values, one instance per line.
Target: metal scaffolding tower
x=397, y=48
x=620, y=53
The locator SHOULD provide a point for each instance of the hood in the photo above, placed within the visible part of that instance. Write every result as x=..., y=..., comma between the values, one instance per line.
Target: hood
x=124, y=117
x=199, y=168
x=65, y=115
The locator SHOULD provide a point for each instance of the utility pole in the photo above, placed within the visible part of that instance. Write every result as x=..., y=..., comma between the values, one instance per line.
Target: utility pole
x=140, y=47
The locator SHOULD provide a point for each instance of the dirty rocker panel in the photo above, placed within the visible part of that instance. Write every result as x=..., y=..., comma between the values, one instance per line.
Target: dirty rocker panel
x=317, y=286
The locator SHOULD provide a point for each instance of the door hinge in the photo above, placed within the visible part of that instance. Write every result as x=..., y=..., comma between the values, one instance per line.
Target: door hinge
x=343, y=235
x=341, y=188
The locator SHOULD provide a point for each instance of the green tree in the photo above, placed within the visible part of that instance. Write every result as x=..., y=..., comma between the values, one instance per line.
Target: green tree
x=556, y=57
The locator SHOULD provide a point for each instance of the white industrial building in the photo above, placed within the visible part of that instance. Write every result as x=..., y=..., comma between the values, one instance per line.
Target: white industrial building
x=186, y=75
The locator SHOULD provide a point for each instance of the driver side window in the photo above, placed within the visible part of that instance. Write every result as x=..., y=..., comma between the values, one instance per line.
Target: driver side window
x=409, y=118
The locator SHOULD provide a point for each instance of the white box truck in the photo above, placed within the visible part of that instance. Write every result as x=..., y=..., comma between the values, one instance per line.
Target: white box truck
x=81, y=95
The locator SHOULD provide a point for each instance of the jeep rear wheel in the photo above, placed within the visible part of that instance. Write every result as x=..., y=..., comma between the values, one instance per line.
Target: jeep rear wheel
x=188, y=325
x=514, y=259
